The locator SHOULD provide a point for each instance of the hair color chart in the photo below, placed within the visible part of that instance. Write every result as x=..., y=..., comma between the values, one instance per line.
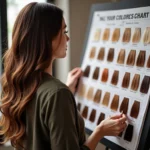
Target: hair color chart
x=116, y=67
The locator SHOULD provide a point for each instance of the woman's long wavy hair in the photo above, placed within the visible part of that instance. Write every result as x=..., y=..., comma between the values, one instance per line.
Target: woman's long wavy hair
x=29, y=55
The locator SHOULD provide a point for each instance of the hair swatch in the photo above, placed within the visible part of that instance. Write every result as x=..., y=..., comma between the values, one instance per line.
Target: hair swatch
x=82, y=90
x=141, y=59
x=97, y=96
x=145, y=84
x=131, y=58
x=148, y=62
x=126, y=80
x=146, y=38
x=137, y=35
x=135, y=109
x=124, y=105
x=110, y=56
x=129, y=133
x=106, y=98
x=115, y=77
x=87, y=71
x=90, y=92
x=135, y=82
x=126, y=35
x=79, y=106
x=96, y=73
x=116, y=35
x=92, y=115
x=115, y=103
x=121, y=57
x=97, y=35
x=101, y=53
x=105, y=74
x=106, y=34
x=92, y=52
x=85, y=112
x=101, y=118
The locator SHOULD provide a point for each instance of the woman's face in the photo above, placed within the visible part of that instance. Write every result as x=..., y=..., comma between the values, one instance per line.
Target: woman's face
x=59, y=44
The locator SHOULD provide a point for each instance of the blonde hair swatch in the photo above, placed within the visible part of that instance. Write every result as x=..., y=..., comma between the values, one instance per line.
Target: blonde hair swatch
x=105, y=74
x=106, y=34
x=90, y=94
x=101, y=118
x=126, y=80
x=141, y=59
x=92, y=52
x=148, y=62
x=116, y=35
x=115, y=103
x=96, y=73
x=124, y=105
x=145, y=84
x=110, y=56
x=126, y=35
x=115, y=77
x=82, y=90
x=85, y=112
x=135, y=82
x=101, y=53
x=97, y=35
x=92, y=115
x=87, y=71
x=137, y=35
x=146, y=38
x=131, y=58
x=129, y=133
x=121, y=56
x=106, y=98
x=135, y=109
x=97, y=96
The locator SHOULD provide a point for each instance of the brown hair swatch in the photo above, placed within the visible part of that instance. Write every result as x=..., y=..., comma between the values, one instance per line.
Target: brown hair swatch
x=116, y=35
x=97, y=96
x=141, y=59
x=115, y=76
x=106, y=99
x=92, y=115
x=145, y=84
x=148, y=62
x=126, y=35
x=121, y=56
x=101, y=54
x=96, y=73
x=135, y=82
x=101, y=118
x=87, y=71
x=129, y=133
x=137, y=35
x=146, y=38
x=131, y=58
x=79, y=106
x=97, y=35
x=124, y=105
x=105, y=74
x=85, y=112
x=126, y=80
x=92, y=52
x=82, y=90
x=90, y=94
x=115, y=103
x=110, y=56
x=106, y=34
x=135, y=109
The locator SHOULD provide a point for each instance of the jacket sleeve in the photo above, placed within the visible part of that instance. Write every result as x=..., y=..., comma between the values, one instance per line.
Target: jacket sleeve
x=60, y=120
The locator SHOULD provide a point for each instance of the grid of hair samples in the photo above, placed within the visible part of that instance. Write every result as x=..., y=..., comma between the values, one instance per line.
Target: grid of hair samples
x=116, y=76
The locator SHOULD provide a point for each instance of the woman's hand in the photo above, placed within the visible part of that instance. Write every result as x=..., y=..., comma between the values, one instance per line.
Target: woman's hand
x=72, y=79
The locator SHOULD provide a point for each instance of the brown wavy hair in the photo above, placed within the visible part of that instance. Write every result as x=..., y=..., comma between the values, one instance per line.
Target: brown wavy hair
x=24, y=63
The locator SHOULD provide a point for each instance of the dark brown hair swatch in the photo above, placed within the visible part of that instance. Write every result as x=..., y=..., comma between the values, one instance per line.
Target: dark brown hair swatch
x=137, y=35
x=101, y=118
x=87, y=71
x=79, y=106
x=124, y=105
x=85, y=112
x=121, y=56
x=115, y=103
x=141, y=59
x=116, y=35
x=106, y=34
x=131, y=58
x=105, y=74
x=82, y=90
x=126, y=80
x=97, y=35
x=126, y=35
x=115, y=76
x=92, y=115
x=146, y=38
x=135, y=82
x=135, y=109
x=92, y=52
x=110, y=56
x=101, y=54
x=90, y=92
x=129, y=133
x=96, y=73
x=145, y=84
x=97, y=96
x=148, y=62
x=106, y=99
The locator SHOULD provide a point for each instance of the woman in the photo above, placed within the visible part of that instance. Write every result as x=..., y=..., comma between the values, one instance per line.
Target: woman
x=38, y=111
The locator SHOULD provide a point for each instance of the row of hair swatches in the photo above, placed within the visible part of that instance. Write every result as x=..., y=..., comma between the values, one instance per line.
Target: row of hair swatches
x=97, y=98
x=145, y=84
x=128, y=132
x=126, y=35
x=131, y=59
